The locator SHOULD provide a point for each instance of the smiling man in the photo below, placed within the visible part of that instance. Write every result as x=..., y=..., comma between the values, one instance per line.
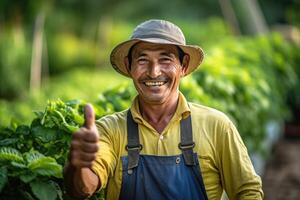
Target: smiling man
x=162, y=147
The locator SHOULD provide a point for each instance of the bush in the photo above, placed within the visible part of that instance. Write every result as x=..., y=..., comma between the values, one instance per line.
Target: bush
x=249, y=79
x=32, y=157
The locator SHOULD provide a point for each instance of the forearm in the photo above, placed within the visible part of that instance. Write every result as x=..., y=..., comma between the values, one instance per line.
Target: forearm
x=80, y=182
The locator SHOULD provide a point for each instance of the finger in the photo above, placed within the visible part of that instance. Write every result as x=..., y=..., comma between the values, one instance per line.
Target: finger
x=86, y=135
x=78, y=157
x=84, y=146
x=79, y=163
x=91, y=136
x=87, y=157
x=89, y=116
x=89, y=147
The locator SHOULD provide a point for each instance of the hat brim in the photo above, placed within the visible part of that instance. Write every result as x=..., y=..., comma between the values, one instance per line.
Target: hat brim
x=120, y=52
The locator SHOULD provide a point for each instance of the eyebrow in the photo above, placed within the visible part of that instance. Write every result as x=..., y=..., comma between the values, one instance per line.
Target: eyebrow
x=170, y=54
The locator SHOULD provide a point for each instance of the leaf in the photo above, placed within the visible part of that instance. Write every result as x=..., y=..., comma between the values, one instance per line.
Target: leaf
x=10, y=154
x=3, y=177
x=26, y=178
x=32, y=156
x=23, y=130
x=8, y=141
x=43, y=190
x=18, y=165
x=42, y=165
x=39, y=114
x=58, y=189
x=6, y=132
x=44, y=134
x=49, y=169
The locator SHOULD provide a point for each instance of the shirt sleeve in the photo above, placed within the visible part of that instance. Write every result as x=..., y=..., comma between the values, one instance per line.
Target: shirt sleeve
x=106, y=159
x=238, y=176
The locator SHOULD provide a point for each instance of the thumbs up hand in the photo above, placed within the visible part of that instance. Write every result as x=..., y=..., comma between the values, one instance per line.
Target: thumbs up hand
x=89, y=118
x=84, y=144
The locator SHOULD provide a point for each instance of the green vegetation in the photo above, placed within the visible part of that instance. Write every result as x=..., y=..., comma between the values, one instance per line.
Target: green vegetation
x=32, y=156
x=250, y=79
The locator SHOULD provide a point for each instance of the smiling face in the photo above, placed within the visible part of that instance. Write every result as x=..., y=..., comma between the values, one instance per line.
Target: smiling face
x=156, y=71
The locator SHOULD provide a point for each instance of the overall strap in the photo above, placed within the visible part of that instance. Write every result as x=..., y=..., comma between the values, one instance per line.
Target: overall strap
x=133, y=147
x=187, y=144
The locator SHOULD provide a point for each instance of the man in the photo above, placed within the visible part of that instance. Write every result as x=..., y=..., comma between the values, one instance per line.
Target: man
x=162, y=147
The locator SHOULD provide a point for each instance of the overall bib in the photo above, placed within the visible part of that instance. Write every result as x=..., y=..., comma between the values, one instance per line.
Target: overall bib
x=161, y=177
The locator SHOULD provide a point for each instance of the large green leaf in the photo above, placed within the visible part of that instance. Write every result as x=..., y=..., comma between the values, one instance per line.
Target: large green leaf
x=43, y=190
x=10, y=154
x=43, y=165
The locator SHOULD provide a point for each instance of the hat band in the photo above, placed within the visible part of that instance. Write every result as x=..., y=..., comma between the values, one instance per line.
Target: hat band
x=158, y=36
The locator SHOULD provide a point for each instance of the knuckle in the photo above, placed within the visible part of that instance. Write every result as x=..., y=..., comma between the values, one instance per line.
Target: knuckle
x=93, y=157
x=88, y=157
x=90, y=148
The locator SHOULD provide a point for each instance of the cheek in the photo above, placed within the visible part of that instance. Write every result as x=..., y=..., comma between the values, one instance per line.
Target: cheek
x=138, y=70
x=135, y=73
x=174, y=72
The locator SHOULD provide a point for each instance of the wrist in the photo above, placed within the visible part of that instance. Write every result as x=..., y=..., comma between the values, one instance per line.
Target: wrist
x=72, y=182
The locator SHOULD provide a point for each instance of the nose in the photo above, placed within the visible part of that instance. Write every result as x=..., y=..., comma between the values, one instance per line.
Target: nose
x=154, y=70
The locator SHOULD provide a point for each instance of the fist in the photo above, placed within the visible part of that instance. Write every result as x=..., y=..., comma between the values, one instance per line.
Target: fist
x=84, y=144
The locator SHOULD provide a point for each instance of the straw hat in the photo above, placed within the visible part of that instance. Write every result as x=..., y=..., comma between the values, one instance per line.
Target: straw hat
x=158, y=32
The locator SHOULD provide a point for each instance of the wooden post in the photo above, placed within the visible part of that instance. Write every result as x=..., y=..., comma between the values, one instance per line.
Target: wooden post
x=229, y=15
x=37, y=49
x=250, y=17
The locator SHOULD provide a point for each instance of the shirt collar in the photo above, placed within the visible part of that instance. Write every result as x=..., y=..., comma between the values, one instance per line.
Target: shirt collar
x=182, y=111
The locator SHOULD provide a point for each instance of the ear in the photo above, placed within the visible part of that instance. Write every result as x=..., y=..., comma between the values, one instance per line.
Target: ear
x=126, y=62
x=185, y=64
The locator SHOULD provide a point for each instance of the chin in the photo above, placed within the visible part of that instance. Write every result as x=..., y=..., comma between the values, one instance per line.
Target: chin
x=155, y=100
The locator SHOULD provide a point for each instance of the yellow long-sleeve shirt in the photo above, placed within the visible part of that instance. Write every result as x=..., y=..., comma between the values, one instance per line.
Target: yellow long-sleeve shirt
x=224, y=161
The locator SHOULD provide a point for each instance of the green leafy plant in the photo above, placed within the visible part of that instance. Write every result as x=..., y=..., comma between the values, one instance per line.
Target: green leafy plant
x=32, y=157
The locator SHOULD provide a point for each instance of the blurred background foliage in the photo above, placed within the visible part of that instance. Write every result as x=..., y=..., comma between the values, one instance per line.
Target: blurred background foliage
x=52, y=50
x=71, y=41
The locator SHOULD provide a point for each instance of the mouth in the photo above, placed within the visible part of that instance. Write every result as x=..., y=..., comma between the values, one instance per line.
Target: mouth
x=154, y=83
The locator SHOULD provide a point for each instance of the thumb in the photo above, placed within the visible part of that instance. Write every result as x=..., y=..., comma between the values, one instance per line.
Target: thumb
x=89, y=116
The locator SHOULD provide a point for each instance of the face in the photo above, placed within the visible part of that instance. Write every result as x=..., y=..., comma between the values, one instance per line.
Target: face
x=156, y=71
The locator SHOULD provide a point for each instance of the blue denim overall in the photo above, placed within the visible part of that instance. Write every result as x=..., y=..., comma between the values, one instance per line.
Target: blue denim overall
x=161, y=177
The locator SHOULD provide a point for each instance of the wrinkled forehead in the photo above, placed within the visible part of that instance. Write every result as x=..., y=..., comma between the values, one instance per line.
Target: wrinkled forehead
x=146, y=47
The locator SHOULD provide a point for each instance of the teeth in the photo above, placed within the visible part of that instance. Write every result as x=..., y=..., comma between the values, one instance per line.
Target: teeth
x=159, y=83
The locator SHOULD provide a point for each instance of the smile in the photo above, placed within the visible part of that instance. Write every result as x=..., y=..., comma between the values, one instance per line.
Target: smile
x=154, y=83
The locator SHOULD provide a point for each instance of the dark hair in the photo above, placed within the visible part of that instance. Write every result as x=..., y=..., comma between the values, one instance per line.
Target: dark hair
x=180, y=54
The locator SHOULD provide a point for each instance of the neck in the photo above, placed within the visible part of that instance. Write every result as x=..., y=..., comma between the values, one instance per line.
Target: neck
x=159, y=115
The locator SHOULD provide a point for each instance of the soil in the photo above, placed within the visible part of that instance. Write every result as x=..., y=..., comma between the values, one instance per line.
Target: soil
x=281, y=180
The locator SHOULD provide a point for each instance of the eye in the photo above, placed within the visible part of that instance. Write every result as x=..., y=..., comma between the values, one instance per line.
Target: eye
x=166, y=60
x=142, y=61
